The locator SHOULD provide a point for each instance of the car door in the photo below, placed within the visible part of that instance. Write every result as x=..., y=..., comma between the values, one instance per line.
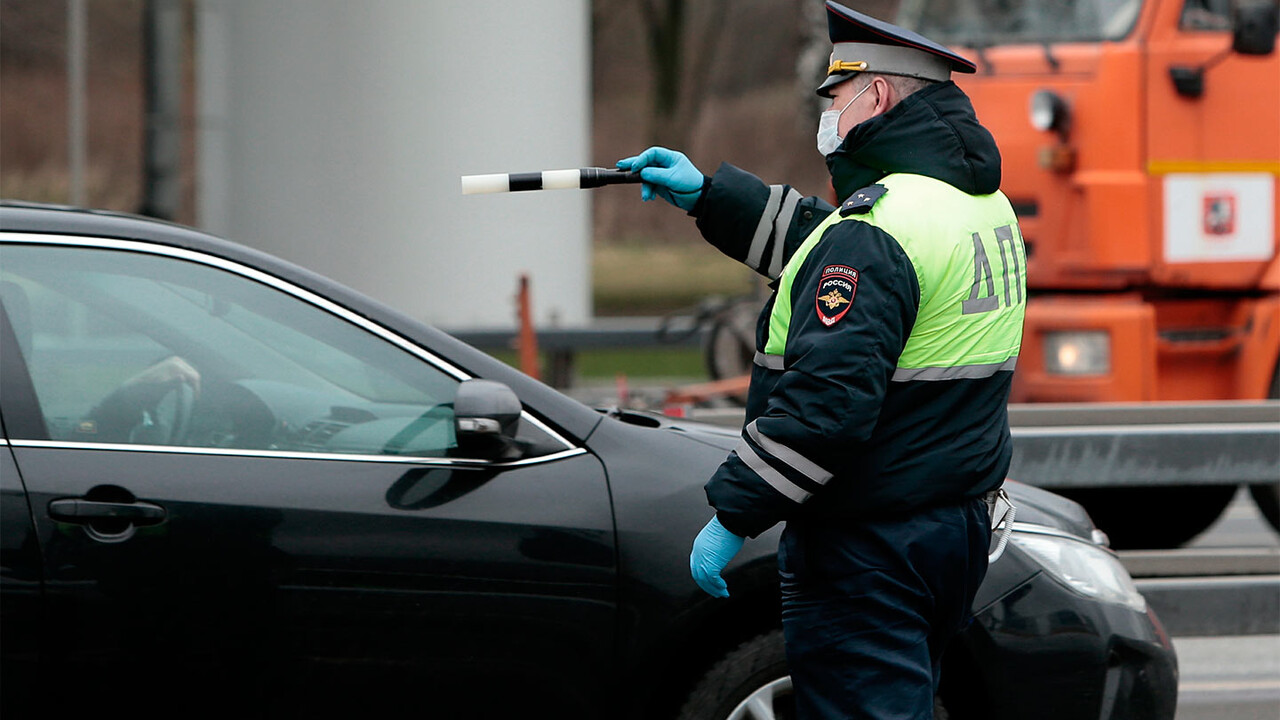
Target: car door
x=244, y=490
x=20, y=624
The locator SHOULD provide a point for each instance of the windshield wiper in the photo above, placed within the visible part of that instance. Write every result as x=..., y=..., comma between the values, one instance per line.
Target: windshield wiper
x=1048, y=56
x=981, y=48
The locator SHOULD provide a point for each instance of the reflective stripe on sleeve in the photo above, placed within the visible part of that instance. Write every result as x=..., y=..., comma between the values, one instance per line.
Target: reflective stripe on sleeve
x=780, y=225
x=795, y=460
x=959, y=372
x=761, y=238
x=775, y=479
x=771, y=362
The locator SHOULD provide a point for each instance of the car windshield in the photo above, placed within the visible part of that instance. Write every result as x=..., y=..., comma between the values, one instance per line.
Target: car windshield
x=984, y=23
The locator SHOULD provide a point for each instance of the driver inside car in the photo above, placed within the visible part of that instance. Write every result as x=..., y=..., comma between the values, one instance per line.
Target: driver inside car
x=150, y=408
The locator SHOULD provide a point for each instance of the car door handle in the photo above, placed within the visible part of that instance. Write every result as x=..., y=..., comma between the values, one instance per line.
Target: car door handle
x=81, y=511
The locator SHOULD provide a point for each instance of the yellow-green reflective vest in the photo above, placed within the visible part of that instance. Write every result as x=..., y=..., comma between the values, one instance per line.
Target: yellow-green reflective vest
x=970, y=263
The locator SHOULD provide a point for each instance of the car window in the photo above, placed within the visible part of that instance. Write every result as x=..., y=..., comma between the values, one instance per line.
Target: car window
x=1206, y=15
x=127, y=347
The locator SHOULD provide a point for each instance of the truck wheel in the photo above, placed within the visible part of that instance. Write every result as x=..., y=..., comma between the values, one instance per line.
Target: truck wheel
x=1163, y=517
x=748, y=683
x=1267, y=495
x=1267, y=498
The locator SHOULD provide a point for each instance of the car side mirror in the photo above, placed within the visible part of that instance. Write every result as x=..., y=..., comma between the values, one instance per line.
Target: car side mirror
x=1255, y=25
x=486, y=416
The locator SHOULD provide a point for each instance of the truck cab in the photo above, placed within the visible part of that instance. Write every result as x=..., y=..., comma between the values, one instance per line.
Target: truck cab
x=1141, y=144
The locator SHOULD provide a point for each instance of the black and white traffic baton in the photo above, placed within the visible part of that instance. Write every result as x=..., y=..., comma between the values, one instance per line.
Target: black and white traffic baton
x=579, y=178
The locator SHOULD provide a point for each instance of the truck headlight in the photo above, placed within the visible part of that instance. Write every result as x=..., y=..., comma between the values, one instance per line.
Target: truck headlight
x=1077, y=353
x=1085, y=569
x=1048, y=111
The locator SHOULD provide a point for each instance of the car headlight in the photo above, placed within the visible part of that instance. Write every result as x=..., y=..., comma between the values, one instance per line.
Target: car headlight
x=1085, y=569
x=1077, y=353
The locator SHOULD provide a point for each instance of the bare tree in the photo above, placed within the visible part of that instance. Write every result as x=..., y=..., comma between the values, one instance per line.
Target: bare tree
x=680, y=78
x=664, y=23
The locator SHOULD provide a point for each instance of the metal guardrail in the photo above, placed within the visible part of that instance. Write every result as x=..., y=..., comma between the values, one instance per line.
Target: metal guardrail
x=1199, y=592
x=1215, y=606
x=1201, y=562
x=1139, y=444
x=1146, y=444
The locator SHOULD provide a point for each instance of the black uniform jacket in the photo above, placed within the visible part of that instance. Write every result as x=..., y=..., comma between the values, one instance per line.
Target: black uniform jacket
x=829, y=434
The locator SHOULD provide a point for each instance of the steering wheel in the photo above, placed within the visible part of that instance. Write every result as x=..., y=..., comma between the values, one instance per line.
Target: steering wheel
x=184, y=402
x=153, y=430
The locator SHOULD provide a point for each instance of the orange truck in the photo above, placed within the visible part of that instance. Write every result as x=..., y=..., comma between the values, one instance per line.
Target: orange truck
x=1141, y=144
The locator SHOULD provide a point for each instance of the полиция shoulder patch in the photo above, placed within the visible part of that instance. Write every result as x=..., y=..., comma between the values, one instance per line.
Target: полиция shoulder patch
x=836, y=288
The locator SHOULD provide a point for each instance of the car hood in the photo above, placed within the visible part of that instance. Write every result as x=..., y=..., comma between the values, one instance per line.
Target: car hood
x=721, y=437
x=1035, y=506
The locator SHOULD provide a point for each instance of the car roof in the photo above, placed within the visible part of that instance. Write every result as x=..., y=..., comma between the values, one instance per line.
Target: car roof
x=19, y=216
x=568, y=415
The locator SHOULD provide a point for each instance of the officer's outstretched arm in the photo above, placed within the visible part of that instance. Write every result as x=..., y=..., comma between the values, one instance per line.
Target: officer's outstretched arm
x=754, y=223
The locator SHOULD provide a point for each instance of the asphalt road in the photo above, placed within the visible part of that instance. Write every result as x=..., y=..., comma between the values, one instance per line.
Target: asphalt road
x=1231, y=678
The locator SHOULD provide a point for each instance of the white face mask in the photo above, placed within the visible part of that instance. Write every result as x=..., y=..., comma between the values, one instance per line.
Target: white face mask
x=829, y=126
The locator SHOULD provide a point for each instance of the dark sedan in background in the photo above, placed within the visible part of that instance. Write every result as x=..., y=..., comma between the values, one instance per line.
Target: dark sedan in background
x=230, y=484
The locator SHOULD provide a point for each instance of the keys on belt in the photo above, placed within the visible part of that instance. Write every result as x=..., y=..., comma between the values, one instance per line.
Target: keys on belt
x=1001, y=511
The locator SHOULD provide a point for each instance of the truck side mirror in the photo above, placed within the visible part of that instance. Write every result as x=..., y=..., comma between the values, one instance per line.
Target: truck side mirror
x=1255, y=27
x=486, y=417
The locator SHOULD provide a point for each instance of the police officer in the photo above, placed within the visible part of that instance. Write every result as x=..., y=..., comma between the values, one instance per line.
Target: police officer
x=876, y=418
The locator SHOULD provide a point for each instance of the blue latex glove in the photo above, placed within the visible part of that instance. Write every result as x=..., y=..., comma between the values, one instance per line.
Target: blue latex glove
x=667, y=174
x=712, y=550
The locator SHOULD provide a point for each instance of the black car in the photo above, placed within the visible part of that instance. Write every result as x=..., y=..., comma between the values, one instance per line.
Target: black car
x=231, y=484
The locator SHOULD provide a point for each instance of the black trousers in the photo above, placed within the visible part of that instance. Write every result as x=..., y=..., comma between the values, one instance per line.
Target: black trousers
x=869, y=607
